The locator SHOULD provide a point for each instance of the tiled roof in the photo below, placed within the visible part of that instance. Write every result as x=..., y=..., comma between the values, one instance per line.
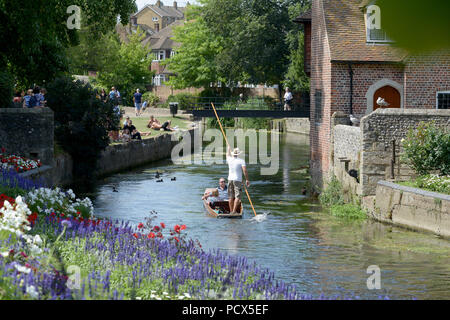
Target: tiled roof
x=162, y=39
x=305, y=16
x=347, y=34
x=164, y=11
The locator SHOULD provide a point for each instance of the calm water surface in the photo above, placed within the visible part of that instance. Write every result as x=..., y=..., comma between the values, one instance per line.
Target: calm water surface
x=299, y=240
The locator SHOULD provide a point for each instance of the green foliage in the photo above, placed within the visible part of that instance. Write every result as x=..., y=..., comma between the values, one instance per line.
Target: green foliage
x=216, y=92
x=332, y=195
x=126, y=67
x=6, y=89
x=348, y=211
x=430, y=182
x=430, y=21
x=195, y=61
x=34, y=34
x=184, y=100
x=427, y=149
x=235, y=41
x=81, y=123
x=226, y=122
x=152, y=98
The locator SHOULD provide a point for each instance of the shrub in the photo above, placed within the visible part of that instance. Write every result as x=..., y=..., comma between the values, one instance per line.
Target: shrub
x=332, y=194
x=6, y=89
x=434, y=183
x=184, y=100
x=427, y=149
x=152, y=98
x=226, y=122
x=348, y=211
x=82, y=123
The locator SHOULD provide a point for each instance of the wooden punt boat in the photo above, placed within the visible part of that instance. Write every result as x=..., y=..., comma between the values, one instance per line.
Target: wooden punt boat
x=221, y=209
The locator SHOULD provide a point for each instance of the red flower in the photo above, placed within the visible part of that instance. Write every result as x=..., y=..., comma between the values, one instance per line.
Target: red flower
x=135, y=235
x=176, y=239
x=159, y=235
x=151, y=235
x=177, y=228
x=140, y=225
x=23, y=254
x=183, y=227
x=163, y=225
x=156, y=228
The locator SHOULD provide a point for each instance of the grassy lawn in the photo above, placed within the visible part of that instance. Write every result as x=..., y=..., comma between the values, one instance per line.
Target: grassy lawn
x=141, y=125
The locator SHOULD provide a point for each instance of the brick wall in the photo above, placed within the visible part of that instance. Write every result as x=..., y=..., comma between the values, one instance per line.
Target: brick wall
x=364, y=76
x=424, y=76
x=320, y=80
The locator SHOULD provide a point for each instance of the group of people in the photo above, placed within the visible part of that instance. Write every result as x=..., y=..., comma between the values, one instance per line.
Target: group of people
x=233, y=191
x=129, y=131
x=33, y=98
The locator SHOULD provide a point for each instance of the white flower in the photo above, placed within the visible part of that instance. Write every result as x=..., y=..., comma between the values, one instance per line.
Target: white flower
x=4, y=254
x=32, y=292
x=22, y=269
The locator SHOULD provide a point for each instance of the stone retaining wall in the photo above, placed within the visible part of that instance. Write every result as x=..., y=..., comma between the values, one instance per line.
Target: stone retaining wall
x=378, y=130
x=121, y=157
x=369, y=147
x=410, y=207
x=28, y=133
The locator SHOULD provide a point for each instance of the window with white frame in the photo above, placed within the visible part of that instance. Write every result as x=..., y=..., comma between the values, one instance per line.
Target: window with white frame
x=443, y=100
x=374, y=32
x=155, y=18
x=160, y=55
x=172, y=53
x=159, y=79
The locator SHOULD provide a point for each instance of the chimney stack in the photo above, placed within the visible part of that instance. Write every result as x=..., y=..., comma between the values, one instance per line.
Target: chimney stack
x=158, y=3
x=175, y=5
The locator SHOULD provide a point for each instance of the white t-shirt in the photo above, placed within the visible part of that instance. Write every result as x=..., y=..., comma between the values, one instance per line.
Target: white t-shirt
x=235, y=168
x=288, y=96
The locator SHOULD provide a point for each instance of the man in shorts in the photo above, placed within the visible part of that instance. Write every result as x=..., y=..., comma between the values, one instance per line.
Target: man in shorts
x=235, y=168
x=137, y=99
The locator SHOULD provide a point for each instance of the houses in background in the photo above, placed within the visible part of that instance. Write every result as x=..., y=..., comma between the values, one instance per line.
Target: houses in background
x=157, y=22
x=352, y=66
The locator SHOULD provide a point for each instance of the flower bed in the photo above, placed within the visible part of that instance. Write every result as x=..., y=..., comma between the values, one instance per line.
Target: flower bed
x=17, y=163
x=430, y=182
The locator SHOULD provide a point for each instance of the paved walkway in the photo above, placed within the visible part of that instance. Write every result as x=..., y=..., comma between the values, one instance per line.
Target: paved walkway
x=161, y=112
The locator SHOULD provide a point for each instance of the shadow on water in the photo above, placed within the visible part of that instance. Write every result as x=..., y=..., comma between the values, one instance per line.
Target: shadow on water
x=298, y=240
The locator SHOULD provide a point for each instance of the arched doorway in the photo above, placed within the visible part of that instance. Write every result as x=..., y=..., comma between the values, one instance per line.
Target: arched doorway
x=390, y=95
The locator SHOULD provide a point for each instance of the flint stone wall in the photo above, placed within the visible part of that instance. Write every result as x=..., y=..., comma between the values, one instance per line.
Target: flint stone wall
x=378, y=129
x=28, y=133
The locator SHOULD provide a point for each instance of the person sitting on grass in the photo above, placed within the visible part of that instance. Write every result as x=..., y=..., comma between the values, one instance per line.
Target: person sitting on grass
x=154, y=123
x=135, y=134
x=125, y=136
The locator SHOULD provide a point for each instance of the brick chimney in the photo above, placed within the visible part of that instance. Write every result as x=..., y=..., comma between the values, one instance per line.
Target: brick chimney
x=158, y=3
x=175, y=5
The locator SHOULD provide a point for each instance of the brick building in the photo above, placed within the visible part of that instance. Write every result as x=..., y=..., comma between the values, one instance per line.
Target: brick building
x=351, y=66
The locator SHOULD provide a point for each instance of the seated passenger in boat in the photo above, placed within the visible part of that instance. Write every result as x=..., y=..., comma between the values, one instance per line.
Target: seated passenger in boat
x=220, y=195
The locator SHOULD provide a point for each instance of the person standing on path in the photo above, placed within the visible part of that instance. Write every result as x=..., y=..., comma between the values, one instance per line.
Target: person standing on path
x=288, y=100
x=137, y=99
x=235, y=168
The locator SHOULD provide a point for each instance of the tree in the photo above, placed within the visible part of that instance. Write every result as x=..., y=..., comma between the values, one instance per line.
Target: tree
x=34, y=33
x=126, y=65
x=295, y=77
x=195, y=61
x=232, y=41
x=82, y=123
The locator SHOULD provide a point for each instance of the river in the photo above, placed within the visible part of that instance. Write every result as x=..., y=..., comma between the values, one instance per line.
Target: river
x=300, y=241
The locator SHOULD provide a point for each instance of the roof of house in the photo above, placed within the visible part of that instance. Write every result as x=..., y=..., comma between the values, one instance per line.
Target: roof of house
x=346, y=32
x=164, y=11
x=162, y=40
x=304, y=17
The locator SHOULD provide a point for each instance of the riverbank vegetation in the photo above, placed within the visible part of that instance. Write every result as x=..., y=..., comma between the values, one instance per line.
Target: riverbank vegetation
x=332, y=197
x=427, y=152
